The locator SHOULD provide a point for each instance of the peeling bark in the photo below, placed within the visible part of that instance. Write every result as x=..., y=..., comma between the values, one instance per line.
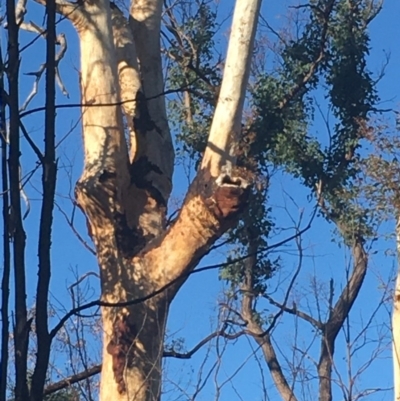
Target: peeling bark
x=210, y=208
x=121, y=347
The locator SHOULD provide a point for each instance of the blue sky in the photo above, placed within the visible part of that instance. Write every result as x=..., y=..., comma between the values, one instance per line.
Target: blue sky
x=325, y=259
x=194, y=312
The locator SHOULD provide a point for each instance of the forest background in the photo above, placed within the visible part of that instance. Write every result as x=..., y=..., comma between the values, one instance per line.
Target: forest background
x=304, y=256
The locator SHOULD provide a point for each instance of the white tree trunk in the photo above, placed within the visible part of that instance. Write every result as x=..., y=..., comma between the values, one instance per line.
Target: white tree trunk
x=104, y=142
x=396, y=321
x=226, y=124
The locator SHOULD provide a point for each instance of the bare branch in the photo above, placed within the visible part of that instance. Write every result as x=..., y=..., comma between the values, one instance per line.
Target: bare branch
x=67, y=382
x=337, y=316
x=61, y=41
x=189, y=354
x=71, y=11
x=94, y=370
x=294, y=311
x=70, y=222
x=262, y=337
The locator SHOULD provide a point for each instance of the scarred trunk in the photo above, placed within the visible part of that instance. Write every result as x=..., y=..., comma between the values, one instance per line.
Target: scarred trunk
x=124, y=189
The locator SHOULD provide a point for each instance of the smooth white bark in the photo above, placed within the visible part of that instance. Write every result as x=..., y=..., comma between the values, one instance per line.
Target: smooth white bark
x=102, y=126
x=227, y=119
x=396, y=321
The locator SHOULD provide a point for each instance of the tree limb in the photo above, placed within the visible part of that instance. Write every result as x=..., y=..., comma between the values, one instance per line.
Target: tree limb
x=157, y=149
x=189, y=354
x=337, y=317
x=183, y=276
x=54, y=387
x=294, y=311
x=226, y=124
x=262, y=338
x=69, y=10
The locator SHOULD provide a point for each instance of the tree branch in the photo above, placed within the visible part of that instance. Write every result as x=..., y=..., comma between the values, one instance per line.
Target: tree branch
x=262, y=338
x=54, y=387
x=317, y=61
x=155, y=143
x=189, y=354
x=128, y=72
x=183, y=276
x=5, y=280
x=61, y=41
x=49, y=178
x=226, y=124
x=294, y=311
x=337, y=317
x=71, y=11
x=94, y=370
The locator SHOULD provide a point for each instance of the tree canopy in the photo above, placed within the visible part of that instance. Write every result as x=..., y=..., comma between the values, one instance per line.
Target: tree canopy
x=228, y=157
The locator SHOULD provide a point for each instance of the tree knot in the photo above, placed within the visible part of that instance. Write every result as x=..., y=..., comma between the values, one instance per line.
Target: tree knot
x=229, y=197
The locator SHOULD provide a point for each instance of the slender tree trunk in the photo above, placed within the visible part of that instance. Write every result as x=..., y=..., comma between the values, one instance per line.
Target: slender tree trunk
x=49, y=176
x=396, y=321
x=262, y=338
x=337, y=316
x=5, y=281
x=22, y=325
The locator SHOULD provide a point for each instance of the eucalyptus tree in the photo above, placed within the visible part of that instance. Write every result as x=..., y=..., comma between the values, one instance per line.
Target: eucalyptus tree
x=124, y=190
x=125, y=186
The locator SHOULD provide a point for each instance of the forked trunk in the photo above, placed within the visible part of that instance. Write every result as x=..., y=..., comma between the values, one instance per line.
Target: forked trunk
x=124, y=189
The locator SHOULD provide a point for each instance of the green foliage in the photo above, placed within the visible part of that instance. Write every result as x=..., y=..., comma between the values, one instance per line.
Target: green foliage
x=193, y=71
x=249, y=236
x=261, y=272
x=327, y=57
x=351, y=89
x=282, y=132
x=331, y=53
x=381, y=170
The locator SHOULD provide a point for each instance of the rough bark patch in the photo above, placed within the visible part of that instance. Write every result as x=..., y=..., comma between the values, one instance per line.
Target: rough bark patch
x=121, y=348
x=139, y=172
x=129, y=240
x=229, y=198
